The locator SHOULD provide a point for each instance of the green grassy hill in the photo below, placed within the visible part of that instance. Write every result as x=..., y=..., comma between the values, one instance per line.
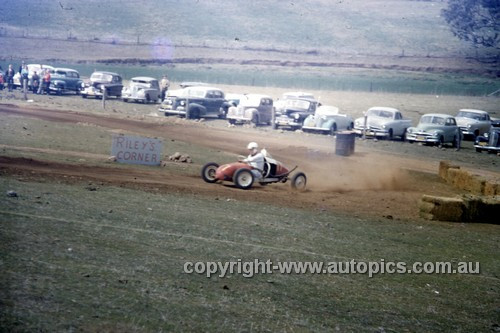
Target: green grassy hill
x=378, y=27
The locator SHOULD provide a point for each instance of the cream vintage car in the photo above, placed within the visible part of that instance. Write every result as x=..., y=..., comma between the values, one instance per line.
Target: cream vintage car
x=327, y=120
x=473, y=122
x=254, y=108
x=383, y=122
x=32, y=68
x=142, y=89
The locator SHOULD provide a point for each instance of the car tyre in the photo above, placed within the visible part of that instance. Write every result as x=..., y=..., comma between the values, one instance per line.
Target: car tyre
x=208, y=172
x=441, y=142
x=243, y=178
x=299, y=181
x=403, y=136
x=390, y=134
x=231, y=121
x=193, y=113
x=255, y=119
x=333, y=130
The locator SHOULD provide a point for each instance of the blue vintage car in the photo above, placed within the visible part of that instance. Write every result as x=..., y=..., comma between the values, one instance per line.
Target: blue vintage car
x=435, y=129
x=327, y=120
x=64, y=80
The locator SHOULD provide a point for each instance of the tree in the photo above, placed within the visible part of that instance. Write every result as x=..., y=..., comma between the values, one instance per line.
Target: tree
x=475, y=21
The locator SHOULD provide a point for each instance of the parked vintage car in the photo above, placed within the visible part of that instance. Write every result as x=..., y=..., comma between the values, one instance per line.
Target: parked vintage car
x=99, y=81
x=436, y=129
x=64, y=80
x=32, y=68
x=384, y=122
x=473, y=122
x=196, y=102
x=254, y=108
x=187, y=84
x=234, y=99
x=280, y=103
x=489, y=142
x=142, y=89
x=293, y=112
x=327, y=120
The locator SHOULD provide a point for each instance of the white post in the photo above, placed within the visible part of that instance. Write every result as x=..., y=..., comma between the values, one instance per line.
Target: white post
x=104, y=96
x=364, y=127
x=25, y=88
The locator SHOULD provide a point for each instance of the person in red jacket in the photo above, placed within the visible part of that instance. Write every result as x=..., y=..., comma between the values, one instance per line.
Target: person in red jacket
x=46, y=81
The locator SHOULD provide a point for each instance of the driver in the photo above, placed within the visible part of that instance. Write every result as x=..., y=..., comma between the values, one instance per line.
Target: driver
x=255, y=159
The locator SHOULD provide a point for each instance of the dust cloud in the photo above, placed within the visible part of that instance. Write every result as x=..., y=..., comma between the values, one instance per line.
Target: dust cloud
x=354, y=173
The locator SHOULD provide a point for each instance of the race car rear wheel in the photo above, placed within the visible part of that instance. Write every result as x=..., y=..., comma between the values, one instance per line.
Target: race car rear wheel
x=208, y=172
x=299, y=181
x=243, y=178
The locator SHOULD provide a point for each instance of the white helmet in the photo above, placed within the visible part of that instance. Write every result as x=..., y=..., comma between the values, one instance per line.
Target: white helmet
x=252, y=145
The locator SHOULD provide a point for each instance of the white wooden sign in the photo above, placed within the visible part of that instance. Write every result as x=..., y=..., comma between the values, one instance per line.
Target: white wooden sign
x=136, y=149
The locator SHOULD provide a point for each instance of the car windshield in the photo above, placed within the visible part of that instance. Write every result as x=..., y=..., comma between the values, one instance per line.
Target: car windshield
x=432, y=120
x=252, y=101
x=327, y=111
x=103, y=77
x=193, y=93
x=142, y=83
x=471, y=115
x=297, y=103
x=295, y=96
x=379, y=113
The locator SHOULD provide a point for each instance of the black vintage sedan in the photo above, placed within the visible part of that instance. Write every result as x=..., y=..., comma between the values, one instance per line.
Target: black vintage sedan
x=103, y=81
x=490, y=142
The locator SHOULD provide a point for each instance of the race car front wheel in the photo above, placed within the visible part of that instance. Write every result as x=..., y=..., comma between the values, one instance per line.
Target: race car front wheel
x=243, y=178
x=208, y=172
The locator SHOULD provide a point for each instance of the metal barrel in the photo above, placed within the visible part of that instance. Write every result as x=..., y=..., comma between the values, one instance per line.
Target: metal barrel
x=344, y=143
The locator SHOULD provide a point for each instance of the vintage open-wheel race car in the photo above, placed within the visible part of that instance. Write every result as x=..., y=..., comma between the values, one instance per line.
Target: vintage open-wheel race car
x=243, y=174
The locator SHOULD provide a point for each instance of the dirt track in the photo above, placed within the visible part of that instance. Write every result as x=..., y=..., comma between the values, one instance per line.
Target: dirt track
x=365, y=184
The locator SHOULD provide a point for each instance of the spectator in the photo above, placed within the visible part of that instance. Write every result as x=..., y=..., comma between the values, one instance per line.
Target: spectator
x=9, y=77
x=164, y=85
x=35, y=82
x=40, y=85
x=46, y=81
x=24, y=76
x=20, y=74
x=2, y=81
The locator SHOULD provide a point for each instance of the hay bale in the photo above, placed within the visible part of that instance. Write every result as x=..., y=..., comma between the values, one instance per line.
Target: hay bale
x=443, y=168
x=491, y=188
x=442, y=208
x=474, y=184
x=466, y=209
x=457, y=177
x=489, y=210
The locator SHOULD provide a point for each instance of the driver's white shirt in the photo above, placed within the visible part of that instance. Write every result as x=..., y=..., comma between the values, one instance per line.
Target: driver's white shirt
x=256, y=161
